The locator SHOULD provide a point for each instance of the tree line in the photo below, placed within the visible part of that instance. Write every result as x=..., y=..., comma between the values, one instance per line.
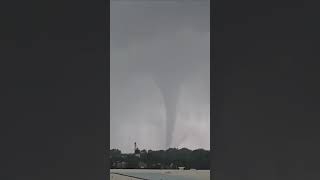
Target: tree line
x=171, y=158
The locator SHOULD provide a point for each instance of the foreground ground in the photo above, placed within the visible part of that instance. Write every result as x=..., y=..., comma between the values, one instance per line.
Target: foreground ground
x=133, y=174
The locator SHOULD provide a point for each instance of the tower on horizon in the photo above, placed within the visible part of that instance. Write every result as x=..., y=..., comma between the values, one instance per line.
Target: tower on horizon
x=136, y=150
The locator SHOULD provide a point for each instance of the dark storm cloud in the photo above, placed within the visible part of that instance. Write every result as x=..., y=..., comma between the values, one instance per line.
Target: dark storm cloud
x=157, y=48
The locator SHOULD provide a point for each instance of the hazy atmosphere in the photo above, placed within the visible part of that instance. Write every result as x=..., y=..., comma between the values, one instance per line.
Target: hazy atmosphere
x=160, y=74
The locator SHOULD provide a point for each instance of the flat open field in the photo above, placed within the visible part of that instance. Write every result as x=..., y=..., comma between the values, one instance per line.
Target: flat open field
x=133, y=174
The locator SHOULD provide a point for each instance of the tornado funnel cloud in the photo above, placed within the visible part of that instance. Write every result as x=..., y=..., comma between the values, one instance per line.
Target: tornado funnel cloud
x=170, y=123
x=170, y=102
x=169, y=90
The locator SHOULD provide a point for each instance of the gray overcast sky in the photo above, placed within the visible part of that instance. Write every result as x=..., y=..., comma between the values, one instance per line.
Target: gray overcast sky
x=160, y=74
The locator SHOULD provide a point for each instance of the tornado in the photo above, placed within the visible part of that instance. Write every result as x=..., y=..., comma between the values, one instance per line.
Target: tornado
x=169, y=89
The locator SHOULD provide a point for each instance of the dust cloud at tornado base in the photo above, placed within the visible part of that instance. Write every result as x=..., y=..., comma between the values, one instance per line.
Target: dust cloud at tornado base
x=160, y=75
